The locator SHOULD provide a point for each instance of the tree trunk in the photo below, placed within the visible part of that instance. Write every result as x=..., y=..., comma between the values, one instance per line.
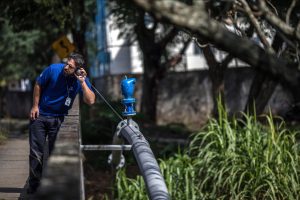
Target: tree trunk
x=201, y=24
x=293, y=113
x=261, y=91
x=262, y=87
x=151, y=58
x=217, y=78
x=79, y=33
x=153, y=73
x=150, y=91
x=216, y=73
x=79, y=40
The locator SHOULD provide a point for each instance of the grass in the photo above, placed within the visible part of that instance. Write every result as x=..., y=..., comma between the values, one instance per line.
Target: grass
x=230, y=159
x=246, y=160
x=98, y=124
x=3, y=136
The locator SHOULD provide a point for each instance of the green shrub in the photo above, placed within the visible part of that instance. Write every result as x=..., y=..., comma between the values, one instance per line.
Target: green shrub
x=133, y=189
x=3, y=136
x=179, y=176
x=230, y=159
x=246, y=160
x=98, y=123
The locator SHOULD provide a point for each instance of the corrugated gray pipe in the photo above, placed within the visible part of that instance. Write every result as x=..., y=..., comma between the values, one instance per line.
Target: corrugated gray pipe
x=154, y=181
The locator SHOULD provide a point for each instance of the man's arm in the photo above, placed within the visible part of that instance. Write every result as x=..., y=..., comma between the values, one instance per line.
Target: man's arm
x=88, y=94
x=34, y=113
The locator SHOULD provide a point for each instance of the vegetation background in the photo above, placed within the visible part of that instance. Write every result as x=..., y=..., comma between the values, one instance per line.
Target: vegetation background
x=246, y=156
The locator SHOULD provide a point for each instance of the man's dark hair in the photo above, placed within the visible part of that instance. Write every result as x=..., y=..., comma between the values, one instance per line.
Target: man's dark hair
x=78, y=58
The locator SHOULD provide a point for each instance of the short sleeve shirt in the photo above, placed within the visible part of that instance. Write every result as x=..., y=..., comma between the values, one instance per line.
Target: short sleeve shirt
x=56, y=87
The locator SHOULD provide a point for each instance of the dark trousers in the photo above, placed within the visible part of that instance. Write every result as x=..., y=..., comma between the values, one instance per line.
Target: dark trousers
x=39, y=130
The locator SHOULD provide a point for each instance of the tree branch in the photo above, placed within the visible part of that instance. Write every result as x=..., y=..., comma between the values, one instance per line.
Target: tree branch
x=172, y=62
x=289, y=12
x=198, y=21
x=210, y=57
x=275, y=21
x=168, y=38
x=185, y=46
x=255, y=23
x=226, y=61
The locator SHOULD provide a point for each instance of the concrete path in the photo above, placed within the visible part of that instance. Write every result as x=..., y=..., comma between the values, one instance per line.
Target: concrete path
x=14, y=167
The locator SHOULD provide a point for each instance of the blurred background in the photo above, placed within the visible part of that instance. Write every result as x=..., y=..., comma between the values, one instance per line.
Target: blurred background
x=192, y=61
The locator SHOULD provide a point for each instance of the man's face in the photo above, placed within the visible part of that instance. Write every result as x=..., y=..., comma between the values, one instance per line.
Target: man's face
x=70, y=67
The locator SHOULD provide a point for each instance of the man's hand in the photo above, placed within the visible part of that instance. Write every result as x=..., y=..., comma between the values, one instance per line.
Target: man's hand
x=88, y=94
x=81, y=75
x=34, y=113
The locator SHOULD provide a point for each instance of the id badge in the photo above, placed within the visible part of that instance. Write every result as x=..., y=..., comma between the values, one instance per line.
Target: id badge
x=68, y=101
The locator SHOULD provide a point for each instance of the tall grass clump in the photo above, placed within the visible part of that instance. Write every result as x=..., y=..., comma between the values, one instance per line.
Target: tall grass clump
x=127, y=188
x=230, y=159
x=179, y=174
x=246, y=160
x=3, y=136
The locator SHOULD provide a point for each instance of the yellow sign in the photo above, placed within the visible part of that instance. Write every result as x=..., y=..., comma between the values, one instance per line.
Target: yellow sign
x=63, y=47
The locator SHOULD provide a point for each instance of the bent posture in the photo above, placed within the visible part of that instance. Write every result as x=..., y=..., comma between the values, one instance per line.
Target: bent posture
x=53, y=95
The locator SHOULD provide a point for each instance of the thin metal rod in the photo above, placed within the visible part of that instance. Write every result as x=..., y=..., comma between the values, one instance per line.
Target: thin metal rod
x=106, y=147
x=102, y=97
x=82, y=188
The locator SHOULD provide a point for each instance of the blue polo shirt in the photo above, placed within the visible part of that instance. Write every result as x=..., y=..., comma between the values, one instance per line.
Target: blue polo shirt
x=56, y=88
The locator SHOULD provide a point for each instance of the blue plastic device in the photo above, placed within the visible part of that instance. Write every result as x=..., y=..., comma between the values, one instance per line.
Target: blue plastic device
x=127, y=88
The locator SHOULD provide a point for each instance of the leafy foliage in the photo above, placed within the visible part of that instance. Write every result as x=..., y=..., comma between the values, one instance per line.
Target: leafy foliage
x=125, y=15
x=29, y=27
x=247, y=160
x=3, y=136
x=32, y=14
x=231, y=160
x=99, y=122
x=20, y=55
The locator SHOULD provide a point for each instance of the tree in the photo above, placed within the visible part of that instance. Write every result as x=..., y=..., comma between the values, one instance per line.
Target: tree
x=196, y=19
x=153, y=38
x=35, y=24
x=216, y=73
x=18, y=58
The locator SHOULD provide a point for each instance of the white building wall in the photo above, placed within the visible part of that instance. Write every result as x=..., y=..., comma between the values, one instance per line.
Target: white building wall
x=120, y=61
x=123, y=58
x=128, y=59
x=136, y=59
x=194, y=61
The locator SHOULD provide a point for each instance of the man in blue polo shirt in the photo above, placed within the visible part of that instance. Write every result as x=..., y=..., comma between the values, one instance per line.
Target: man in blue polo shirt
x=53, y=95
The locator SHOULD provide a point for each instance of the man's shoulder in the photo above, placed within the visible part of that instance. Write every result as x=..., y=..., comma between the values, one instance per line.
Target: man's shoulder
x=55, y=69
x=55, y=66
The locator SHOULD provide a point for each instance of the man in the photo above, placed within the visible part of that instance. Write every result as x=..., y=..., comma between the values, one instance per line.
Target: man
x=53, y=96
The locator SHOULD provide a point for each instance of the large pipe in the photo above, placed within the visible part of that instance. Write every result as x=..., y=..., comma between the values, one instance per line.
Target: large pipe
x=147, y=163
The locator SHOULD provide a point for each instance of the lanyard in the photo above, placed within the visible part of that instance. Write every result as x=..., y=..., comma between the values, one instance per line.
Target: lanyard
x=68, y=89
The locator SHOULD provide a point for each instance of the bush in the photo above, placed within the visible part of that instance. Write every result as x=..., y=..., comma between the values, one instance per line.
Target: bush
x=2, y=137
x=98, y=123
x=246, y=160
x=230, y=159
x=179, y=176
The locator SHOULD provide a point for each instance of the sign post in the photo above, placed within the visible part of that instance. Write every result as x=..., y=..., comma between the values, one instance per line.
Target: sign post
x=63, y=47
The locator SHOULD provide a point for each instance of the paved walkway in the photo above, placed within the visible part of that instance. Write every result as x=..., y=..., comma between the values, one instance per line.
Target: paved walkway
x=14, y=154
x=14, y=167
